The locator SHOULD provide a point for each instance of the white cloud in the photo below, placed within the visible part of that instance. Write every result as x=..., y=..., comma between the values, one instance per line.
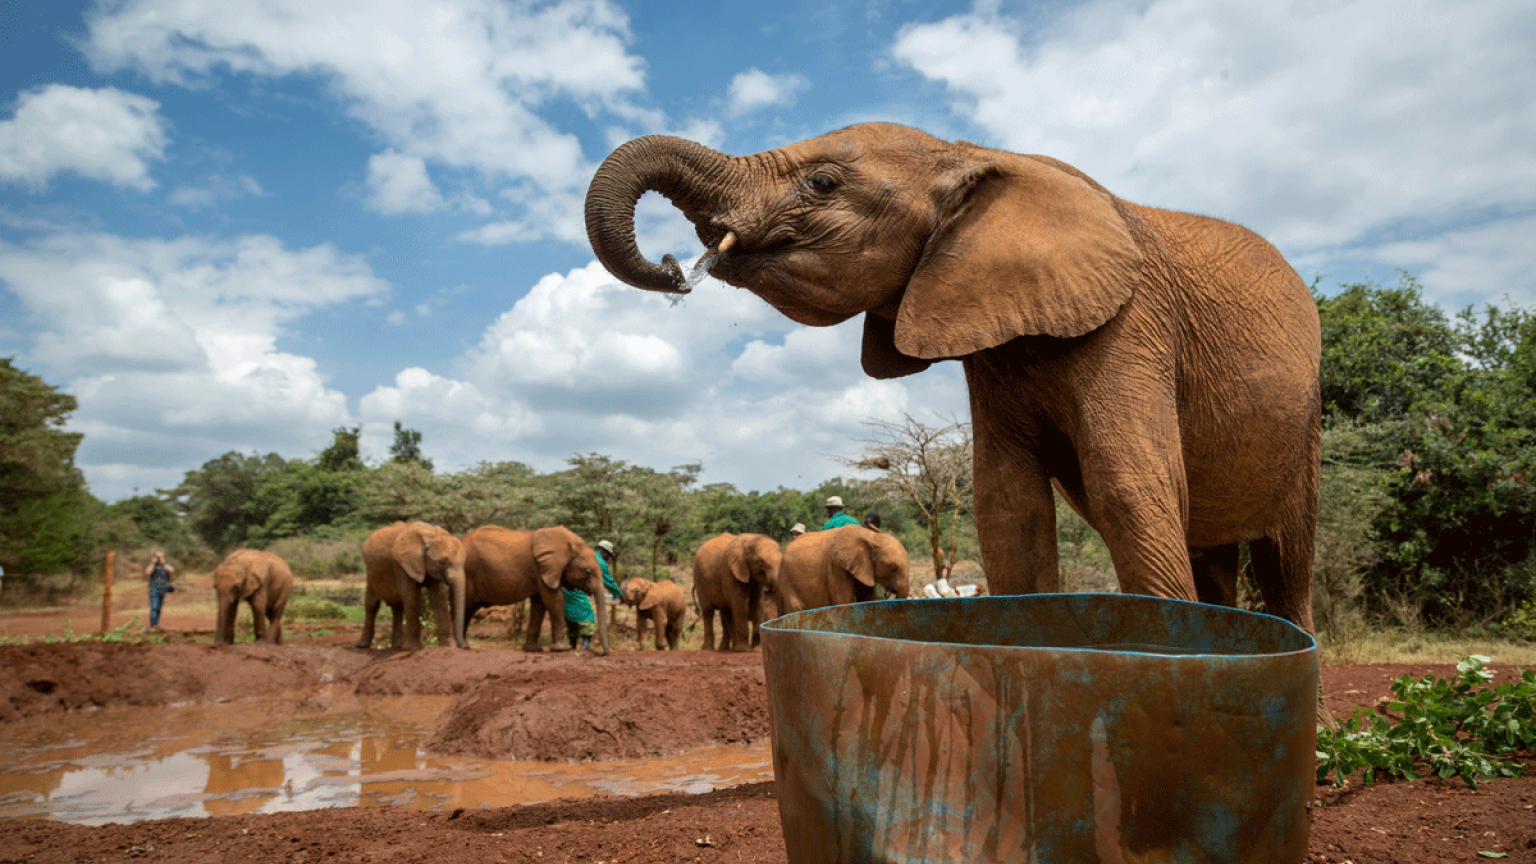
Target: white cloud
x=215, y=188
x=1318, y=124
x=583, y=363
x=105, y=134
x=398, y=183
x=455, y=84
x=754, y=90
x=171, y=345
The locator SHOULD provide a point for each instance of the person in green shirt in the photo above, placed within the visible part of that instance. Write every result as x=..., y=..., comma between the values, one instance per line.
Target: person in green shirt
x=580, y=623
x=836, y=518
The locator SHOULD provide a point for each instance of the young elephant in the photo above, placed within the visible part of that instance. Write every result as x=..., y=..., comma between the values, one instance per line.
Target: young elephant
x=264, y=581
x=401, y=559
x=663, y=603
x=831, y=568
x=732, y=575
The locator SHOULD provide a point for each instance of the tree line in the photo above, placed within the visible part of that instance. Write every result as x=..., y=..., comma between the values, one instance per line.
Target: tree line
x=1427, y=501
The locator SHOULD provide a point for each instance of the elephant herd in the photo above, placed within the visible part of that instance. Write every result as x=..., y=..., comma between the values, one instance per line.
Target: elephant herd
x=744, y=578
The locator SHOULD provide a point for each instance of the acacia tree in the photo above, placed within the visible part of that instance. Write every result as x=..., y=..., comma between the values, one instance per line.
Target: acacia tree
x=928, y=466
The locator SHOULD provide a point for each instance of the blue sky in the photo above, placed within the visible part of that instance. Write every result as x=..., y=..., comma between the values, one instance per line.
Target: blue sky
x=240, y=226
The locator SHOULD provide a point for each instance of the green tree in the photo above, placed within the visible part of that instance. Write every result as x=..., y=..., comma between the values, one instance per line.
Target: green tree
x=217, y=498
x=509, y=494
x=1386, y=352
x=604, y=498
x=343, y=453
x=407, y=448
x=45, y=509
x=1457, y=534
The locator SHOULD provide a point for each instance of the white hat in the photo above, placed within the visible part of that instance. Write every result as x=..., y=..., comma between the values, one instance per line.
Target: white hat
x=605, y=545
x=799, y=528
x=835, y=501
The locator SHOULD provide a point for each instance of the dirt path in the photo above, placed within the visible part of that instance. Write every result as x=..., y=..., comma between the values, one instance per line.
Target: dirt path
x=629, y=703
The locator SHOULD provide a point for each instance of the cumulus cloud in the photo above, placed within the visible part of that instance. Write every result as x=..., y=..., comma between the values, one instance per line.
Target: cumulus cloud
x=398, y=183
x=754, y=90
x=583, y=363
x=106, y=134
x=171, y=345
x=1317, y=124
x=455, y=84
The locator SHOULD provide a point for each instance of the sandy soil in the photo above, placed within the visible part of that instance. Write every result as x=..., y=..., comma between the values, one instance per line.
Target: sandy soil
x=639, y=694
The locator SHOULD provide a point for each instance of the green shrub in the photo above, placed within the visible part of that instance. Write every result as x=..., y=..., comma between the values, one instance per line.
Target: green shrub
x=1459, y=728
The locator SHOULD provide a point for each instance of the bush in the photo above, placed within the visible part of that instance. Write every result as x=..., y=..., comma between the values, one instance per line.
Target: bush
x=304, y=607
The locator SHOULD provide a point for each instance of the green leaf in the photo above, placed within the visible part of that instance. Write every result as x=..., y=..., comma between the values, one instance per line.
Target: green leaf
x=1486, y=854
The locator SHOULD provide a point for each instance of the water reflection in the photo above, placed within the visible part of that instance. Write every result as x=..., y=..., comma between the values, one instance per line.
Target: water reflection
x=330, y=750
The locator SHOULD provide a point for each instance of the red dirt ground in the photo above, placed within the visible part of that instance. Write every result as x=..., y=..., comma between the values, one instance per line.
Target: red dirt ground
x=651, y=703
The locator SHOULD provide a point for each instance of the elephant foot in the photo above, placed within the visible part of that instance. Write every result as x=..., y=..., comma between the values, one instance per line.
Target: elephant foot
x=558, y=648
x=533, y=649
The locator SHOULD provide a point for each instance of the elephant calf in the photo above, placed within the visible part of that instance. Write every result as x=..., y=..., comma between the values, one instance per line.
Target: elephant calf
x=843, y=565
x=663, y=603
x=261, y=579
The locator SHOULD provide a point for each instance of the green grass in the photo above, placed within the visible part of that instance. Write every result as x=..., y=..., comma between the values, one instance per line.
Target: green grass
x=1396, y=645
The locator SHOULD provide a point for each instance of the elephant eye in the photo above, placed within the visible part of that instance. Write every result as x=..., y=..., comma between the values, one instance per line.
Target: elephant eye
x=823, y=182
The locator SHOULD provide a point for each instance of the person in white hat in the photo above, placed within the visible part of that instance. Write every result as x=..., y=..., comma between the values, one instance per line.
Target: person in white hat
x=581, y=624
x=796, y=530
x=836, y=518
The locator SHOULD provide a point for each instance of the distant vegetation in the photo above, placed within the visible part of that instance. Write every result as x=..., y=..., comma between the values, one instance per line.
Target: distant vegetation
x=1427, y=518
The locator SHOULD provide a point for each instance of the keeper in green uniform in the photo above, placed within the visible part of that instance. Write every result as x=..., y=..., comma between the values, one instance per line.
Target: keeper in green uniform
x=836, y=518
x=580, y=623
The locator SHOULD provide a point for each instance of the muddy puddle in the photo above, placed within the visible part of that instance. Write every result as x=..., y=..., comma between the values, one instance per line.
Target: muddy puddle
x=332, y=749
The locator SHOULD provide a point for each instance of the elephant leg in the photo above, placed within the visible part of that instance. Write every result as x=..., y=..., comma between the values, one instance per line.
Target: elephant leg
x=1015, y=514
x=370, y=611
x=396, y=626
x=1139, y=506
x=674, y=631
x=1215, y=571
x=559, y=636
x=410, y=597
x=658, y=623
x=708, y=614
x=258, y=619
x=535, y=623
x=275, y=621
x=1283, y=570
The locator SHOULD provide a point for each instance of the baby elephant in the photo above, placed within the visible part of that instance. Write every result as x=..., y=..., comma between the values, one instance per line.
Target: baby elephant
x=663, y=603
x=259, y=578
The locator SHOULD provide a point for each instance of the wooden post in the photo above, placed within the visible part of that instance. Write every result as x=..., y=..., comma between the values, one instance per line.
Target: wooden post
x=106, y=591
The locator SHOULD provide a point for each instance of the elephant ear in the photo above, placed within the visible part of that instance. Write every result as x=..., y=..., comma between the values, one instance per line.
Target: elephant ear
x=878, y=354
x=1026, y=247
x=851, y=552
x=651, y=598
x=410, y=554
x=552, y=551
x=736, y=560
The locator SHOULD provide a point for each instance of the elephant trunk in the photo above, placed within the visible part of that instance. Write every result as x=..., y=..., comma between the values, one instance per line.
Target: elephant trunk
x=458, y=609
x=224, y=631
x=600, y=602
x=690, y=175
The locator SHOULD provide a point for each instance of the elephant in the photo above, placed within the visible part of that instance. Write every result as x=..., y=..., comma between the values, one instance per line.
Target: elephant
x=840, y=566
x=731, y=575
x=1158, y=369
x=505, y=566
x=401, y=560
x=262, y=580
x=663, y=603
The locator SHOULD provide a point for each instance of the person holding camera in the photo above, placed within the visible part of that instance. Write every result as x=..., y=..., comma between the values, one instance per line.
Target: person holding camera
x=159, y=574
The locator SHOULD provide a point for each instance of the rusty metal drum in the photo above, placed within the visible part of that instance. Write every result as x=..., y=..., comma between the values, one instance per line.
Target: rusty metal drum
x=1048, y=728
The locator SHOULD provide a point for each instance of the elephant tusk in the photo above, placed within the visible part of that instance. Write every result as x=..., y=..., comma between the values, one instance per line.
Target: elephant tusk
x=727, y=242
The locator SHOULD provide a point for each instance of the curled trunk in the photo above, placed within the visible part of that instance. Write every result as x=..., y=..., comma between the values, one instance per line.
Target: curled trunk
x=690, y=175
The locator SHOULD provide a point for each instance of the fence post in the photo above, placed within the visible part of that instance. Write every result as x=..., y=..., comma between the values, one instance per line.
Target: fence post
x=106, y=591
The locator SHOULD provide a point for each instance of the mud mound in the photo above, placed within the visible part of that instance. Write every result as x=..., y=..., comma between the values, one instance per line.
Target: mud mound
x=35, y=679
x=436, y=671
x=566, y=712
